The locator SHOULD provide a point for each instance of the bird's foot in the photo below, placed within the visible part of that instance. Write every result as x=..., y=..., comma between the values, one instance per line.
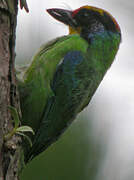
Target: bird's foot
x=23, y=4
x=17, y=128
x=10, y=6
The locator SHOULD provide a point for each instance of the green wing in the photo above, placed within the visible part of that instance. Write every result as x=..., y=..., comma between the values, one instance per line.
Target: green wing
x=35, y=88
x=70, y=93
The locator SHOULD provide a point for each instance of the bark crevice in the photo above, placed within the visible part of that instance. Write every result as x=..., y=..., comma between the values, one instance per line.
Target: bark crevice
x=10, y=151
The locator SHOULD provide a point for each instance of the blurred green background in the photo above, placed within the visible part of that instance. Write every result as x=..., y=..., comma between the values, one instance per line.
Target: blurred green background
x=99, y=145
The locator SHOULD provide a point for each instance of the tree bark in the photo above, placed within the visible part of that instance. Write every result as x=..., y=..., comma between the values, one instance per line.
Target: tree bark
x=10, y=151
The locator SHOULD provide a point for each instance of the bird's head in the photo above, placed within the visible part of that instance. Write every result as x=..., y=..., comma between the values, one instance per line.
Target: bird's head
x=85, y=20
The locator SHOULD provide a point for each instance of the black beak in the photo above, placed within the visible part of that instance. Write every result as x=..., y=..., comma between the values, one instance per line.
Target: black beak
x=64, y=16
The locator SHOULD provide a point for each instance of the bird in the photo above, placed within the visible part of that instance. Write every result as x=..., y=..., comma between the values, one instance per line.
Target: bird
x=66, y=72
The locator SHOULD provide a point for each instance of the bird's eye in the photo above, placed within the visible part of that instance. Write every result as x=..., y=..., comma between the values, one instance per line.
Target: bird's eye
x=85, y=14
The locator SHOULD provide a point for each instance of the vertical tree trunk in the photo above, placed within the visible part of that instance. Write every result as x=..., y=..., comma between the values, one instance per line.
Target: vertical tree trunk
x=9, y=151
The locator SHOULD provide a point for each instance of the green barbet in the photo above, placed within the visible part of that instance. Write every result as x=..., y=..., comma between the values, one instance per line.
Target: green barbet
x=66, y=72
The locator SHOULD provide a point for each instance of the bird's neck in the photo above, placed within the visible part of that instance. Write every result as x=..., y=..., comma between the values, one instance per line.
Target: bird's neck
x=74, y=31
x=103, y=48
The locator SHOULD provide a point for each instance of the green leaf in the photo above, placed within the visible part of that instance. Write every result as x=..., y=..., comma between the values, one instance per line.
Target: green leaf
x=25, y=136
x=25, y=129
x=15, y=116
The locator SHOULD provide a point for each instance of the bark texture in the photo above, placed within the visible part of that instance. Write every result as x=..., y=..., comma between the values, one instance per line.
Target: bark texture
x=9, y=151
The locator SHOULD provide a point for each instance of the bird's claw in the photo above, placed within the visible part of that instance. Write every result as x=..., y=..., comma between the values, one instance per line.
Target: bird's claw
x=23, y=4
x=17, y=128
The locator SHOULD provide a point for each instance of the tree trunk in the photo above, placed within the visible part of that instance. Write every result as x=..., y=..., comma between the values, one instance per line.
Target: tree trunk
x=10, y=151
